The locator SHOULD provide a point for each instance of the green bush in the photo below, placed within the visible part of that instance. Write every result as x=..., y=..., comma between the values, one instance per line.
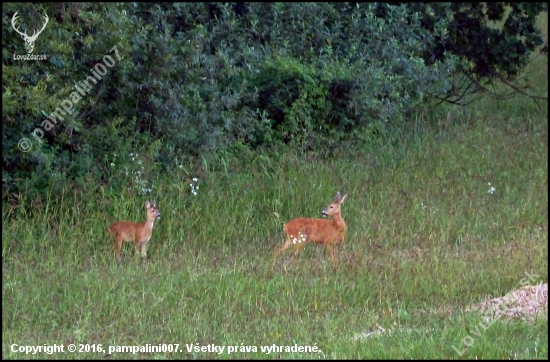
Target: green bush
x=198, y=80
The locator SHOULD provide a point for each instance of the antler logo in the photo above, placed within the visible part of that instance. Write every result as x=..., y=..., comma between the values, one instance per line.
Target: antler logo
x=29, y=40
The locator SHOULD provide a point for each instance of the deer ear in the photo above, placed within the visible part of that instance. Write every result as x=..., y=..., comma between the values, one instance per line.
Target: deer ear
x=343, y=198
x=338, y=197
x=147, y=204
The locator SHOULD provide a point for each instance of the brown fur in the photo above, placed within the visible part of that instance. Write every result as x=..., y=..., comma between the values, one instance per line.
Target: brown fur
x=300, y=231
x=138, y=232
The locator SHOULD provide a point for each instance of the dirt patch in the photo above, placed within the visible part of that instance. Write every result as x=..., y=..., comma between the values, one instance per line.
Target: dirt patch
x=525, y=303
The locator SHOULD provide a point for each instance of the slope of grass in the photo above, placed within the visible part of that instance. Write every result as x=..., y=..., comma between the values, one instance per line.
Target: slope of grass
x=424, y=233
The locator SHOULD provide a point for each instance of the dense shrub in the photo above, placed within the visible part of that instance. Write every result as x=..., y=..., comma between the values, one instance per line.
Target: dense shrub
x=185, y=80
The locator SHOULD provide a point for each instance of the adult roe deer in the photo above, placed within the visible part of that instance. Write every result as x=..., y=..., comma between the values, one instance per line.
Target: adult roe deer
x=138, y=232
x=300, y=231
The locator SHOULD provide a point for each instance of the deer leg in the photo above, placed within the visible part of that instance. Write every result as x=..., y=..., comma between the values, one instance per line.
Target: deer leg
x=286, y=243
x=143, y=250
x=118, y=247
x=137, y=246
x=329, y=248
x=297, y=248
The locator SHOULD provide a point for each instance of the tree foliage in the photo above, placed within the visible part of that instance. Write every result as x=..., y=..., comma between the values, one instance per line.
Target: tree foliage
x=493, y=42
x=182, y=80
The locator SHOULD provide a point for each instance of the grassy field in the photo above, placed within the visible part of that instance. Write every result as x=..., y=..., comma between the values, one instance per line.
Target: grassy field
x=437, y=220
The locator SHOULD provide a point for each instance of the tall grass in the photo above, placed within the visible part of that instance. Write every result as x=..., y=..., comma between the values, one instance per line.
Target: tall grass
x=437, y=219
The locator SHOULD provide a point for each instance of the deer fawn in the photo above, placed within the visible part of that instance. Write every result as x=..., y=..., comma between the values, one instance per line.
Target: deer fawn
x=300, y=231
x=138, y=232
